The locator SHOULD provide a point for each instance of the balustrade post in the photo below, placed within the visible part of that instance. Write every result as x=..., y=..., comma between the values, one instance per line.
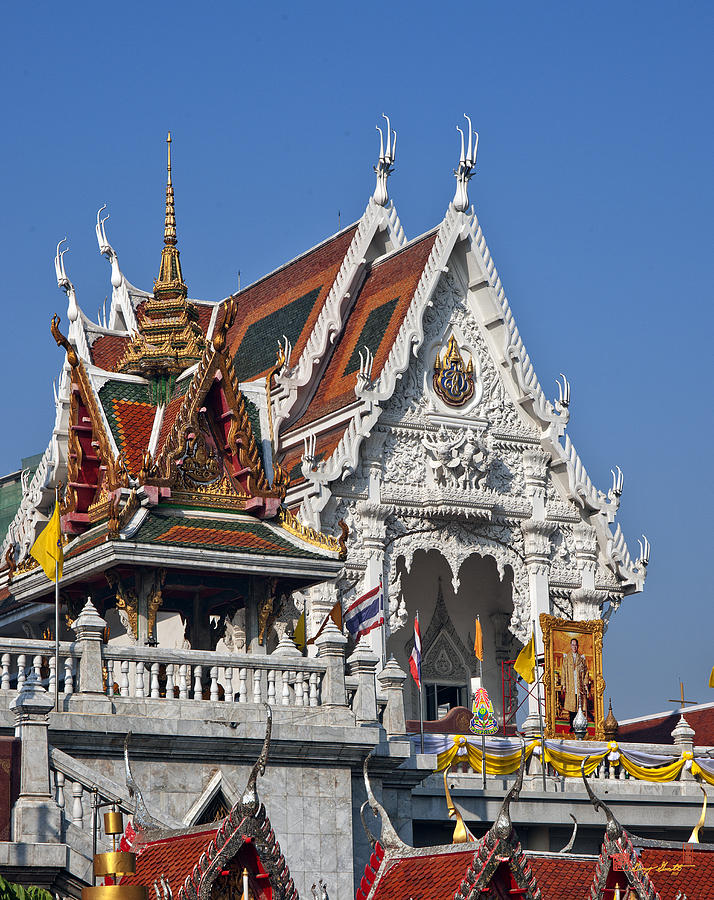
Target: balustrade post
x=331, y=648
x=683, y=737
x=155, y=694
x=5, y=677
x=363, y=663
x=36, y=818
x=89, y=628
x=230, y=697
x=69, y=677
x=392, y=678
x=214, y=682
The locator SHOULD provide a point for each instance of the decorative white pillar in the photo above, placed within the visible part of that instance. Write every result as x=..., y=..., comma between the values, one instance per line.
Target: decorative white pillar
x=89, y=628
x=537, y=534
x=36, y=817
x=363, y=663
x=373, y=531
x=392, y=678
x=331, y=647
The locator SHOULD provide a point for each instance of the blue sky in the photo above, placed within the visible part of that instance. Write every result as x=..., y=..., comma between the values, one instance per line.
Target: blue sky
x=594, y=188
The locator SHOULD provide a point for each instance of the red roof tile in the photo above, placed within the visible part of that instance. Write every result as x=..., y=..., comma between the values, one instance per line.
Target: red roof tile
x=563, y=878
x=285, y=302
x=374, y=321
x=107, y=350
x=658, y=728
x=428, y=876
x=173, y=856
x=671, y=873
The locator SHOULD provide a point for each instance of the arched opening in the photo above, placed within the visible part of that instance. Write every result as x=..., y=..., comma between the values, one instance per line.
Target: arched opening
x=447, y=622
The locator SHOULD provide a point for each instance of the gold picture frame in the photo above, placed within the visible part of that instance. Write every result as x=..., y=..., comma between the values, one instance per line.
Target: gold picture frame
x=569, y=686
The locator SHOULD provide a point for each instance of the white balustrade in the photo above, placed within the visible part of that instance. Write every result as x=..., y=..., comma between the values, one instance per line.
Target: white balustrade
x=214, y=683
x=155, y=692
x=59, y=784
x=256, y=685
x=20, y=656
x=197, y=686
x=77, y=804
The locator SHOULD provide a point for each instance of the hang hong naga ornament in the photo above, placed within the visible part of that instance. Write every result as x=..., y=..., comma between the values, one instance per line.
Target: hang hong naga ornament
x=484, y=718
x=453, y=379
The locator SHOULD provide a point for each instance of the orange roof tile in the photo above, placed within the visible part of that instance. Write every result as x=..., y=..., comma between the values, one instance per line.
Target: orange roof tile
x=285, y=302
x=374, y=321
x=671, y=872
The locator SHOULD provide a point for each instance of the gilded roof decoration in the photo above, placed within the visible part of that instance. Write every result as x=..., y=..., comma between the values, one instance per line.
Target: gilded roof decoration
x=170, y=338
x=453, y=380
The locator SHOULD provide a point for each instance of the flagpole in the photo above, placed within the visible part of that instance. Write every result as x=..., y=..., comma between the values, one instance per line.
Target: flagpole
x=384, y=625
x=421, y=696
x=57, y=613
x=483, y=735
x=540, y=711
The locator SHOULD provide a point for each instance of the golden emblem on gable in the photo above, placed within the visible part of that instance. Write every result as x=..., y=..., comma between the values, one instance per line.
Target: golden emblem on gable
x=453, y=379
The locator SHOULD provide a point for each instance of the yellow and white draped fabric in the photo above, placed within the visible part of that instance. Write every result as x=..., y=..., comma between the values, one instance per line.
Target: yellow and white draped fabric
x=503, y=757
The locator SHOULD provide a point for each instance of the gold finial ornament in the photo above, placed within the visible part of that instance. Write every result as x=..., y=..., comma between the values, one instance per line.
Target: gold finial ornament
x=461, y=832
x=694, y=836
x=610, y=726
x=170, y=339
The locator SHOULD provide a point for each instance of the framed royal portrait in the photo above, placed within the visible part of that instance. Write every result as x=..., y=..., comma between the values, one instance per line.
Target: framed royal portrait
x=573, y=675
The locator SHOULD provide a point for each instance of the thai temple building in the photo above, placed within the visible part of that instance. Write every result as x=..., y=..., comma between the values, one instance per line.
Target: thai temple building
x=231, y=475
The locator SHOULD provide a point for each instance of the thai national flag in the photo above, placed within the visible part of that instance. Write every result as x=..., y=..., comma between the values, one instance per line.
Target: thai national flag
x=365, y=613
x=415, y=658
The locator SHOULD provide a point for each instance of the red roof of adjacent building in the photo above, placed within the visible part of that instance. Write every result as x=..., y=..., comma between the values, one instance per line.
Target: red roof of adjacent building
x=658, y=728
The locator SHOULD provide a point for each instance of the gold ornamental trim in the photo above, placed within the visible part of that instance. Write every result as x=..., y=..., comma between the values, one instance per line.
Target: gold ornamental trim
x=292, y=524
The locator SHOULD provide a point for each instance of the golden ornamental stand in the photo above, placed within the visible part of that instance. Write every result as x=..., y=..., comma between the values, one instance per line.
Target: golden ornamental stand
x=115, y=863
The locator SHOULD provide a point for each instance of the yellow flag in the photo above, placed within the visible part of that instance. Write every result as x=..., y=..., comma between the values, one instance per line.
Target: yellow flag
x=47, y=549
x=478, y=641
x=299, y=633
x=711, y=679
x=525, y=663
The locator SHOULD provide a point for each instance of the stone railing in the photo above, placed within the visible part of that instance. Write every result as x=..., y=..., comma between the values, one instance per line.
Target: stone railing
x=20, y=657
x=79, y=792
x=283, y=678
x=280, y=680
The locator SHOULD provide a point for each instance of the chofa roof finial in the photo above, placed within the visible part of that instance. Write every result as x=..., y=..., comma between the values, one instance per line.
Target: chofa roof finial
x=142, y=818
x=613, y=829
x=389, y=839
x=386, y=160
x=467, y=162
x=503, y=826
x=249, y=802
x=461, y=833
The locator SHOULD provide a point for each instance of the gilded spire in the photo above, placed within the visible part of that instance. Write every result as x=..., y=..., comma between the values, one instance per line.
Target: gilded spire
x=170, y=220
x=169, y=339
x=170, y=284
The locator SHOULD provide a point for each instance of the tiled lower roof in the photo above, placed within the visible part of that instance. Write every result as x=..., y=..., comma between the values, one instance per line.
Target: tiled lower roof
x=423, y=876
x=671, y=873
x=563, y=877
x=240, y=535
x=174, y=857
